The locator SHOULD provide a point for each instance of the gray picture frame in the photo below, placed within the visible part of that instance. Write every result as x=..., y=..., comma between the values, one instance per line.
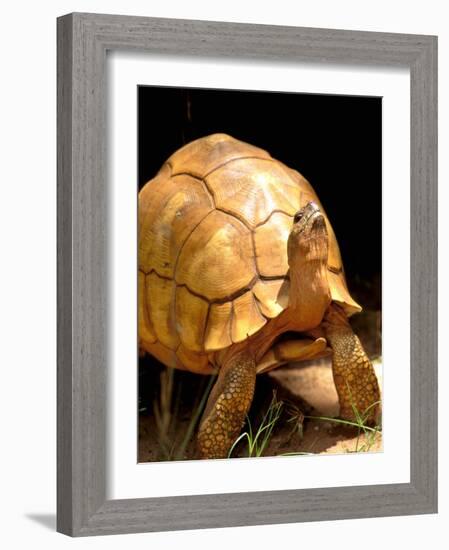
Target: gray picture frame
x=83, y=40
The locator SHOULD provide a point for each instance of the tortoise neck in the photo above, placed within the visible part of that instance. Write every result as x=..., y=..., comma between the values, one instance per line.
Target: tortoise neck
x=308, y=251
x=308, y=284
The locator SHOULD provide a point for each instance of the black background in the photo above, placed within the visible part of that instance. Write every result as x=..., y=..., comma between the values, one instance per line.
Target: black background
x=333, y=141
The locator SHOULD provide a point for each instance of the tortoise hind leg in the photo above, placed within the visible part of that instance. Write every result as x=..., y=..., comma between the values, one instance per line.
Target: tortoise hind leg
x=227, y=406
x=354, y=376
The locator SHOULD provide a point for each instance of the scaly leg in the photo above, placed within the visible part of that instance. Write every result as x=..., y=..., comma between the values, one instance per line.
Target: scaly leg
x=227, y=406
x=354, y=376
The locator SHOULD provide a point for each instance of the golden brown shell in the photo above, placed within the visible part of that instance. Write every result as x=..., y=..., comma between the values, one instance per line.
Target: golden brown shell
x=213, y=230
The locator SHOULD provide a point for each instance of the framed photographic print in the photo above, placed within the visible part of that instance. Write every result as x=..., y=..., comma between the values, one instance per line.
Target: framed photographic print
x=237, y=301
x=247, y=274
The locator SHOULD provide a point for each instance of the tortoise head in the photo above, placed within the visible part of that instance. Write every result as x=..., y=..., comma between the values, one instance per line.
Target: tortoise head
x=308, y=239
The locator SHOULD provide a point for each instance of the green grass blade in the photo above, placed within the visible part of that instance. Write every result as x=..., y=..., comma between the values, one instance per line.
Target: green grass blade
x=340, y=421
x=194, y=420
x=236, y=442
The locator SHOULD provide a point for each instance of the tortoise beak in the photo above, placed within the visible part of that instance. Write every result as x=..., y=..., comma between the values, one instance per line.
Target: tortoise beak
x=314, y=218
x=318, y=223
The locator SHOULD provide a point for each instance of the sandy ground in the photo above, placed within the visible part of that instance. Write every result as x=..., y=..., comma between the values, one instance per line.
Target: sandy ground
x=307, y=388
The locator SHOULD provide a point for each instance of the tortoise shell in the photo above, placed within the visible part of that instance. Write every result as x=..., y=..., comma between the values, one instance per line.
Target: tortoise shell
x=213, y=265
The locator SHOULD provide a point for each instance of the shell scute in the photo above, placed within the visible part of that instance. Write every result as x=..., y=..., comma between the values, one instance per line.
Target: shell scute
x=159, y=296
x=217, y=260
x=169, y=208
x=202, y=156
x=191, y=318
x=272, y=296
x=270, y=240
x=218, y=331
x=147, y=334
x=251, y=189
x=246, y=319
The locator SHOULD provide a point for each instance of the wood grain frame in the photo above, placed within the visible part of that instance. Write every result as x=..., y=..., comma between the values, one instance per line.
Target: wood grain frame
x=83, y=40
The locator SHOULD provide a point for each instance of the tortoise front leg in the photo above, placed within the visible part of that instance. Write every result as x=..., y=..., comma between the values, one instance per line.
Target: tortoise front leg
x=354, y=376
x=227, y=406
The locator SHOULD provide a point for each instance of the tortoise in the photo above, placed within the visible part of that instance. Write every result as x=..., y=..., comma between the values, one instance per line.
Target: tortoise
x=239, y=273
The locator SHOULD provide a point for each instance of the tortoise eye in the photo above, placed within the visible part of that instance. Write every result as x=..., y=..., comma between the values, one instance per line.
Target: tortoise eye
x=298, y=217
